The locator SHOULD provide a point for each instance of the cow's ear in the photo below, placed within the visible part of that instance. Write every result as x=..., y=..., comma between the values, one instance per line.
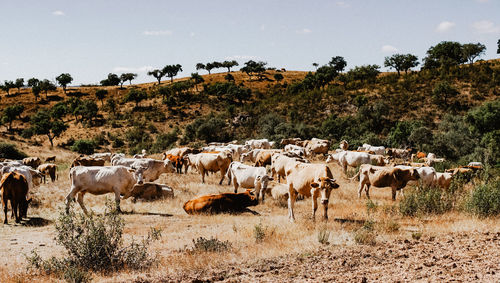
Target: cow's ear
x=314, y=185
x=131, y=170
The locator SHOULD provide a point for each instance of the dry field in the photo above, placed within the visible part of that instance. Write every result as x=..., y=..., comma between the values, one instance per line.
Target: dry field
x=452, y=246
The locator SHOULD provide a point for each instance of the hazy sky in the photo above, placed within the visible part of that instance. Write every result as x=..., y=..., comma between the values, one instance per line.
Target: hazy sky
x=90, y=38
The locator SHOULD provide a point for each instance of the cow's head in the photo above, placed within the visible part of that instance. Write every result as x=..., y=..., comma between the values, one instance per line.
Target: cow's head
x=138, y=174
x=245, y=157
x=334, y=157
x=261, y=183
x=23, y=208
x=325, y=185
x=168, y=165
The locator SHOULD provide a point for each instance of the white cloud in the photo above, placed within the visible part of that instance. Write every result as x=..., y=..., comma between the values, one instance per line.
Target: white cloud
x=142, y=69
x=342, y=4
x=303, y=31
x=58, y=13
x=445, y=26
x=241, y=57
x=157, y=32
x=486, y=27
x=389, y=49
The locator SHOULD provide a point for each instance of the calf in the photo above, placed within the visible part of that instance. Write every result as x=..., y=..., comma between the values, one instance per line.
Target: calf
x=51, y=159
x=221, y=203
x=48, y=169
x=14, y=188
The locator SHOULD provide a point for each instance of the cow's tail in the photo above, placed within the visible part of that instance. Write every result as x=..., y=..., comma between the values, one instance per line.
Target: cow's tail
x=355, y=176
x=228, y=173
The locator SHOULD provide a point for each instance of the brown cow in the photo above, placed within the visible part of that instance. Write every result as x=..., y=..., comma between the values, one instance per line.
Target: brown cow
x=33, y=162
x=50, y=159
x=177, y=161
x=263, y=158
x=221, y=203
x=48, y=169
x=87, y=161
x=396, y=178
x=14, y=187
x=149, y=191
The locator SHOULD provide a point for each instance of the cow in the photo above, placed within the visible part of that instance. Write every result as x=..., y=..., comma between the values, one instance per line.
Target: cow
x=221, y=203
x=443, y=180
x=207, y=162
x=393, y=177
x=375, y=149
x=51, y=159
x=377, y=159
x=180, y=151
x=298, y=150
x=250, y=156
x=404, y=154
x=14, y=188
x=344, y=145
x=149, y=191
x=32, y=162
x=248, y=177
x=99, y=180
x=263, y=158
x=104, y=155
x=289, y=141
x=48, y=169
x=475, y=164
x=351, y=158
x=426, y=174
x=317, y=146
x=310, y=180
x=140, y=155
x=282, y=162
x=152, y=168
x=177, y=161
x=87, y=161
x=262, y=143
x=33, y=177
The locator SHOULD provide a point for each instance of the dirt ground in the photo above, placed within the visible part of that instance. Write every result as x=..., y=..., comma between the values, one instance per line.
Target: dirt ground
x=452, y=247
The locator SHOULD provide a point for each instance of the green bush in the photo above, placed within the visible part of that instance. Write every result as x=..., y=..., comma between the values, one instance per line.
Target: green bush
x=93, y=243
x=484, y=200
x=164, y=141
x=210, y=245
x=428, y=200
x=84, y=146
x=10, y=151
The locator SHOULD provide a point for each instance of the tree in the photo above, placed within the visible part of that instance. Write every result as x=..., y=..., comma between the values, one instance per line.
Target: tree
x=87, y=110
x=252, y=67
x=34, y=83
x=338, y=63
x=197, y=79
x=7, y=86
x=47, y=86
x=217, y=65
x=498, y=46
x=200, y=66
x=112, y=80
x=11, y=113
x=19, y=84
x=64, y=80
x=43, y=124
x=442, y=92
x=101, y=94
x=364, y=73
x=127, y=77
x=315, y=65
x=228, y=77
x=136, y=96
x=278, y=77
x=401, y=62
x=444, y=55
x=472, y=50
x=209, y=67
x=158, y=74
x=172, y=70
x=111, y=106
x=229, y=65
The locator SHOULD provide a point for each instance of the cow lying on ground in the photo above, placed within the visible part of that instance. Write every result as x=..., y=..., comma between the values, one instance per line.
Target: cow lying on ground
x=14, y=188
x=51, y=159
x=48, y=169
x=99, y=180
x=152, y=168
x=221, y=203
x=87, y=161
x=380, y=177
x=248, y=177
x=310, y=180
x=376, y=149
x=149, y=191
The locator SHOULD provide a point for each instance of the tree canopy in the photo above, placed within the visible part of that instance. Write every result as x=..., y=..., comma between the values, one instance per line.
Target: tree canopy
x=158, y=74
x=64, y=80
x=172, y=70
x=401, y=62
x=111, y=80
x=42, y=123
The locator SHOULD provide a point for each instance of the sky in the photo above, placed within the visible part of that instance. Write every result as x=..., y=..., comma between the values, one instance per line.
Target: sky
x=91, y=38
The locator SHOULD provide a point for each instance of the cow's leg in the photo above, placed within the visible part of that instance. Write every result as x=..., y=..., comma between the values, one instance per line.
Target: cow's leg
x=394, y=190
x=292, y=196
x=117, y=199
x=79, y=199
x=15, y=208
x=361, y=186
x=235, y=184
x=314, y=198
x=5, y=211
x=202, y=171
x=222, y=175
x=70, y=197
x=367, y=190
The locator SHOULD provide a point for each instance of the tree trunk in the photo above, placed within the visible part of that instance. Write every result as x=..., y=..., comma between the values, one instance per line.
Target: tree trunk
x=51, y=140
x=159, y=80
x=228, y=69
x=172, y=79
x=130, y=82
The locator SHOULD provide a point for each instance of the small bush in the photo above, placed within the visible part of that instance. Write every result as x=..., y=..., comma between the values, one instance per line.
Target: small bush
x=484, y=200
x=259, y=232
x=10, y=151
x=323, y=236
x=416, y=235
x=429, y=200
x=391, y=226
x=84, y=146
x=210, y=245
x=365, y=235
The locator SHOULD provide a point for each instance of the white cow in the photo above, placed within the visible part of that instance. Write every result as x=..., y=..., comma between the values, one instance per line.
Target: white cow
x=262, y=143
x=33, y=177
x=99, y=180
x=351, y=158
x=250, y=156
x=427, y=174
x=248, y=177
x=443, y=180
x=298, y=150
x=317, y=146
x=376, y=149
x=105, y=155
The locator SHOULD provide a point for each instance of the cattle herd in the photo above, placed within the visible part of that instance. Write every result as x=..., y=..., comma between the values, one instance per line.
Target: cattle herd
x=256, y=166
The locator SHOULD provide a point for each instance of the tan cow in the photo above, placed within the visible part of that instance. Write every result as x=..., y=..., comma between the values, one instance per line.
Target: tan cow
x=208, y=162
x=393, y=177
x=149, y=191
x=48, y=169
x=32, y=162
x=282, y=162
x=263, y=158
x=310, y=180
x=87, y=161
x=443, y=180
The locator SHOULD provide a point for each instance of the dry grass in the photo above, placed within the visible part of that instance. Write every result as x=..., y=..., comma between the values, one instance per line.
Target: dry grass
x=179, y=229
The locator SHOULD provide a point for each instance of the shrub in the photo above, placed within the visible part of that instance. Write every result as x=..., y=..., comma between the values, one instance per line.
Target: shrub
x=210, y=245
x=84, y=146
x=164, y=141
x=94, y=243
x=259, y=232
x=323, y=236
x=484, y=200
x=10, y=151
x=428, y=200
x=365, y=235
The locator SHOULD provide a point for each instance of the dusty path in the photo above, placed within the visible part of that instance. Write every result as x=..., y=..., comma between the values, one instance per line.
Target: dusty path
x=453, y=257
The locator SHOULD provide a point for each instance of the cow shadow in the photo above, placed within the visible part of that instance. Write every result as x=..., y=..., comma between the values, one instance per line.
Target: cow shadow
x=36, y=222
x=147, y=213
